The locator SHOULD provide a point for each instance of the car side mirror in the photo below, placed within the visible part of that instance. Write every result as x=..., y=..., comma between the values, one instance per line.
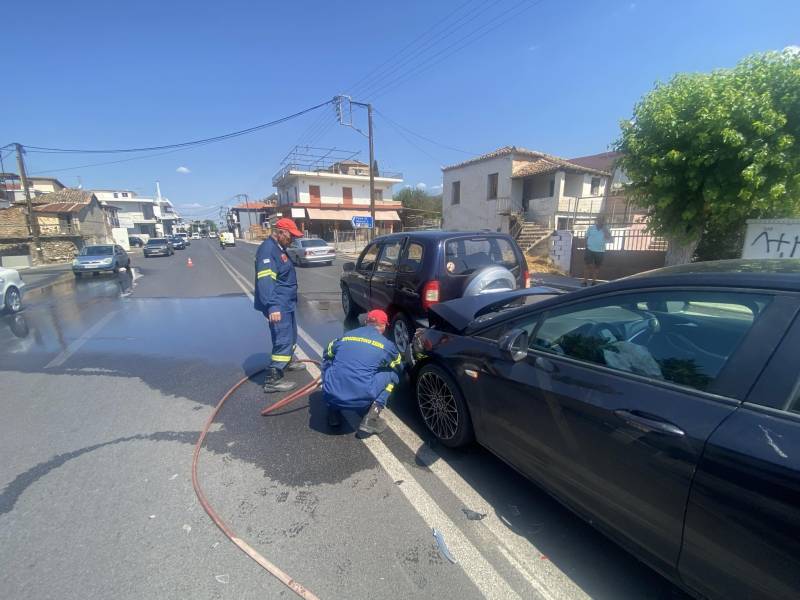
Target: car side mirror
x=348, y=266
x=514, y=345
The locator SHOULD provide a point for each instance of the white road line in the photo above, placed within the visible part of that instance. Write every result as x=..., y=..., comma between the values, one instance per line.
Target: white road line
x=544, y=581
x=76, y=344
x=237, y=278
x=474, y=564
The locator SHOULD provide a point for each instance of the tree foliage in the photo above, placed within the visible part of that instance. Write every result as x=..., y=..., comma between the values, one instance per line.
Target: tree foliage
x=707, y=151
x=420, y=206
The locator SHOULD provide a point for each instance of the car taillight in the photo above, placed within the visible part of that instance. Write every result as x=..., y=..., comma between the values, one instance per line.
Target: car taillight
x=430, y=294
x=526, y=279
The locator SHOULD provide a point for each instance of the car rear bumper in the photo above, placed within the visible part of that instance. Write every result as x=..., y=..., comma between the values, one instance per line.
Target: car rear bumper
x=156, y=252
x=91, y=268
x=316, y=258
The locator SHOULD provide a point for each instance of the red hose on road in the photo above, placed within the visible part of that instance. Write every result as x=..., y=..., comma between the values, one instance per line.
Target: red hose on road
x=297, y=587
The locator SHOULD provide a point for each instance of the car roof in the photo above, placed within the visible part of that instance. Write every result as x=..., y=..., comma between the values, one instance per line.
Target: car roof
x=440, y=234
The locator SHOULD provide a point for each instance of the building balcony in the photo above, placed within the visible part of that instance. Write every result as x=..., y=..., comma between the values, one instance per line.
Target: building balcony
x=587, y=205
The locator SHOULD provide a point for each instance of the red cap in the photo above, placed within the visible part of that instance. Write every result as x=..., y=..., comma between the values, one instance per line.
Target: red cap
x=289, y=226
x=377, y=316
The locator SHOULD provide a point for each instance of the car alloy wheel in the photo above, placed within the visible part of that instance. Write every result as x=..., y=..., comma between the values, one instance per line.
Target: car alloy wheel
x=401, y=332
x=13, y=300
x=438, y=405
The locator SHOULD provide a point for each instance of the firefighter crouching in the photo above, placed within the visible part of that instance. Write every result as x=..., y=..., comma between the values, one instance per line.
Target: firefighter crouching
x=276, y=297
x=359, y=372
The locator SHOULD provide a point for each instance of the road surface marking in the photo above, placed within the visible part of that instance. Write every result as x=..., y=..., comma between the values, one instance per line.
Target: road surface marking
x=485, y=577
x=544, y=577
x=235, y=275
x=76, y=344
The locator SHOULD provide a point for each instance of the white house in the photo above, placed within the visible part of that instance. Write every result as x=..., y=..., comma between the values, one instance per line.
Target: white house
x=525, y=186
x=324, y=199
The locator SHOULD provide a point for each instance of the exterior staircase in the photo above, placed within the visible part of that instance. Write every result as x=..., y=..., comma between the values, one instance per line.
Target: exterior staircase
x=531, y=234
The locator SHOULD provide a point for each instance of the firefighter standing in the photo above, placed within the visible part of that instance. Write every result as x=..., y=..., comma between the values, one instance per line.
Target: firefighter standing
x=276, y=297
x=360, y=370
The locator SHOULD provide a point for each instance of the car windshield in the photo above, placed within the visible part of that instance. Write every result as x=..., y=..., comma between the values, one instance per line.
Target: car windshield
x=156, y=242
x=97, y=251
x=314, y=243
x=464, y=256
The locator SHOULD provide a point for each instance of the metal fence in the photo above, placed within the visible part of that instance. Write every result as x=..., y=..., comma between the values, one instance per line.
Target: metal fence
x=631, y=237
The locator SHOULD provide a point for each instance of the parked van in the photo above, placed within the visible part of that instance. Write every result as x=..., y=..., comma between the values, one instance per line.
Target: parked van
x=226, y=239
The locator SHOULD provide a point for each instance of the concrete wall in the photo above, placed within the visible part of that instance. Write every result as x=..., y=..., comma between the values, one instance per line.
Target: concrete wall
x=475, y=211
x=330, y=190
x=92, y=224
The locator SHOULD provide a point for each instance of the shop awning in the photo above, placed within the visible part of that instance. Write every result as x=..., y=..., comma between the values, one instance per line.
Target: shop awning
x=329, y=214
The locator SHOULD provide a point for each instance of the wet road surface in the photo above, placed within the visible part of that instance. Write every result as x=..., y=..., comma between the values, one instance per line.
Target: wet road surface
x=106, y=383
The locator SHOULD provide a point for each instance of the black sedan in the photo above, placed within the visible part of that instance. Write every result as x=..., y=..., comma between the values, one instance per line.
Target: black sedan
x=158, y=247
x=177, y=242
x=664, y=408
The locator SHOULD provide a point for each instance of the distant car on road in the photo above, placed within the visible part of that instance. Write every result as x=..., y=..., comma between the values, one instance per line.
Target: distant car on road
x=407, y=273
x=195, y=236
x=158, y=247
x=212, y=235
x=226, y=239
x=311, y=251
x=11, y=288
x=99, y=258
x=135, y=241
x=185, y=237
x=663, y=408
x=177, y=242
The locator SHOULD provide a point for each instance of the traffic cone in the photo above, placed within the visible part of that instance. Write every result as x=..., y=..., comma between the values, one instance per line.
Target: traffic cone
x=189, y=262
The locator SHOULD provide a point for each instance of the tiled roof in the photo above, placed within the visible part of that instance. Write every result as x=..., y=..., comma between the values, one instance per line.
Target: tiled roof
x=542, y=163
x=603, y=161
x=254, y=205
x=66, y=200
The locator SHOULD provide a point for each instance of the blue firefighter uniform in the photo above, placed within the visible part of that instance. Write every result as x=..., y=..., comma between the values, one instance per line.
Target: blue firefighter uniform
x=359, y=368
x=276, y=290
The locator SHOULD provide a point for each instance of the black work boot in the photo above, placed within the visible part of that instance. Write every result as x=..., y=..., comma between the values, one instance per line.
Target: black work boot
x=296, y=365
x=372, y=421
x=274, y=382
x=334, y=417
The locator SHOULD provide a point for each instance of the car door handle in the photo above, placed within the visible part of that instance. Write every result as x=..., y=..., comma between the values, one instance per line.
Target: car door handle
x=649, y=425
x=388, y=283
x=545, y=364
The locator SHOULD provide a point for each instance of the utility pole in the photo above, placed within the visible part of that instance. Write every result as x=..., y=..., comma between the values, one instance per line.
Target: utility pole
x=371, y=174
x=341, y=115
x=33, y=223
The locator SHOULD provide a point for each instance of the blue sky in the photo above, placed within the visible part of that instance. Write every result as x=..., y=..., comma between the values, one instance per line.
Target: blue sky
x=557, y=78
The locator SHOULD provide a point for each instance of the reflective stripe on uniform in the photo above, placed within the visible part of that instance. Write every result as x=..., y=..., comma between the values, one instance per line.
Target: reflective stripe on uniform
x=281, y=358
x=396, y=361
x=389, y=387
x=363, y=341
x=330, y=349
x=267, y=273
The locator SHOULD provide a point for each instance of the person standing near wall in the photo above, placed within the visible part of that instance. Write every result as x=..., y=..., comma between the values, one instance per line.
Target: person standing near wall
x=597, y=236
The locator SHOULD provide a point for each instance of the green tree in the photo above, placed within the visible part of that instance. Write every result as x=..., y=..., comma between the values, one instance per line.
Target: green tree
x=210, y=225
x=419, y=206
x=707, y=151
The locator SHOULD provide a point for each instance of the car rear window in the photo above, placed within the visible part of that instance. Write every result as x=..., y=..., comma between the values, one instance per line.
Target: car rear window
x=97, y=250
x=464, y=256
x=156, y=241
x=314, y=243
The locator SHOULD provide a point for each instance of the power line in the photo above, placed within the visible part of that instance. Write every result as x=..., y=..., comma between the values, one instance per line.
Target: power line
x=459, y=45
x=427, y=139
x=181, y=144
x=411, y=142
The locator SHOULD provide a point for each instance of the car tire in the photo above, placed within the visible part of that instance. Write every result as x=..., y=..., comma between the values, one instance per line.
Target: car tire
x=350, y=308
x=13, y=300
x=442, y=407
x=401, y=331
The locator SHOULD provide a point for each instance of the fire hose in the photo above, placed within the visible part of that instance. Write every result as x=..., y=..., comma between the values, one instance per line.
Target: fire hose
x=294, y=585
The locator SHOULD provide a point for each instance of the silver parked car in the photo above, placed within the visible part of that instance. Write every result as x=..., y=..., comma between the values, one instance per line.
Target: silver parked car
x=11, y=286
x=101, y=257
x=311, y=251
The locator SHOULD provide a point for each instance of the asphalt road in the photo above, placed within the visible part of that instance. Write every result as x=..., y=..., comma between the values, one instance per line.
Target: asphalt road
x=106, y=383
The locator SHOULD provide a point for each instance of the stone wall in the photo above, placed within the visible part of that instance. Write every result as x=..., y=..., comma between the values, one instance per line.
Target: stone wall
x=13, y=222
x=60, y=250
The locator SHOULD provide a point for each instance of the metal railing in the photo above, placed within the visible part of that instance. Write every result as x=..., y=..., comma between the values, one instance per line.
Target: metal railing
x=312, y=168
x=506, y=206
x=631, y=238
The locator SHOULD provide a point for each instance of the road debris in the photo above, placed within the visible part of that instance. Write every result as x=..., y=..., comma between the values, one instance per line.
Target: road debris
x=437, y=535
x=173, y=477
x=472, y=515
x=187, y=528
x=398, y=482
x=223, y=578
x=152, y=516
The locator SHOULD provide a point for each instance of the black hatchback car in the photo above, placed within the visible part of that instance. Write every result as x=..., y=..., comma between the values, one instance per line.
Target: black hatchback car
x=407, y=273
x=664, y=408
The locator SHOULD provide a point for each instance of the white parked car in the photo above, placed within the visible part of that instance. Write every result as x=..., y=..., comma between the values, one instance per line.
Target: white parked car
x=306, y=251
x=11, y=287
x=212, y=234
x=195, y=236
